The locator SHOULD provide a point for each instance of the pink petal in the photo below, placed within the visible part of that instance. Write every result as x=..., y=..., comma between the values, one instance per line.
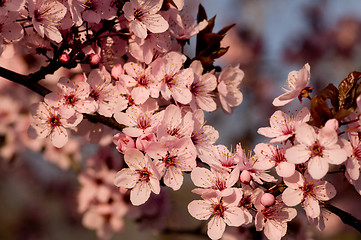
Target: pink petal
x=335, y=155
x=59, y=137
x=285, y=169
x=297, y=154
x=173, y=178
x=140, y=193
x=325, y=191
x=305, y=134
x=126, y=178
x=312, y=207
x=216, y=227
x=292, y=197
x=200, y=209
x=317, y=167
x=234, y=216
x=201, y=177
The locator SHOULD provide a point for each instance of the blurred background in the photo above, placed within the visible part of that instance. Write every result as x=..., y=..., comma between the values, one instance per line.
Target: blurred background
x=271, y=38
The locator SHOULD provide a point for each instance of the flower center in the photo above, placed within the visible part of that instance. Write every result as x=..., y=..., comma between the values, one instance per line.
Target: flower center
x=71, y=99
x=94, y=94
x=316, y=149
x=54, y=121
x=218, y=209
x=144, y=175
x=169, y=160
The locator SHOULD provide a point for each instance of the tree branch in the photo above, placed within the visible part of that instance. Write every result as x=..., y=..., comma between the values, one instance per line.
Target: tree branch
x=36, y=87
x=345, y=217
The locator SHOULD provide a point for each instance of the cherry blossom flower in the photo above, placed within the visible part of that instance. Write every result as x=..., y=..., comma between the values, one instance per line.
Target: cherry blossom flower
x=174, y=125
x=297, y=83
x=95, y=10
x=229, y=82
x=72, y=97
x=46, y=16
x=142, y=82
x=143, y=15
x=140, y=119
x=10, y=30
x=222, y=158
x=202, y=88
x=141, y=177
x=51, y=122
x=104, y=93
x=174, y=82
x=172, y=158
x=248, y=200
x=203, y=136
x=221, y=211
x=185, y=26
x=11, y=6
x=305, y=189
x=353, y=161
x=215, y=180
x=319, y=149
x=270, y=156
x=273, y=219
x=283, y=126
x=144, y=140
x=123, y=142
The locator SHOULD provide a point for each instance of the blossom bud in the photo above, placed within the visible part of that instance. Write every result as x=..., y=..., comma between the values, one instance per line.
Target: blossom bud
x=64, y=58
x=245, y=176
x=331, y=124
x=144, y=140
x=267, y=199
x=123, y=142
x=116, y=71
x=94, y=59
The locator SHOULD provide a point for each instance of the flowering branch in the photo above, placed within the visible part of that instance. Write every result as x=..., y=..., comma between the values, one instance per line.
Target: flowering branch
x=345, y=217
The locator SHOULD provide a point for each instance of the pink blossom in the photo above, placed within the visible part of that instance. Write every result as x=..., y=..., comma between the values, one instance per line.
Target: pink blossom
x=10, y=30
x=95, y=10
x=144, y=140
x=172, y=158
x=270, y=156
x=141, y=177
x=307, y=190
x=174, y=125
x=140, y=119
x=220, y=211
x=11, y=6
x=123, y=142
x=143, y=15
x=174, y=82
x=202, y=89
x=142, y=82
x=51, y=122
x=46, y=16
x=319, y=149
x=354, y=157
x=297, y=82
x=104, y=93
x=218, y=181
x=283, y=126
x=273, y=219
x=72, y=97
x=203, y=136
x=229, y=82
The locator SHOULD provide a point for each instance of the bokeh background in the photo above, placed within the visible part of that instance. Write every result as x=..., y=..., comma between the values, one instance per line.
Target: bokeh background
x=38, y=200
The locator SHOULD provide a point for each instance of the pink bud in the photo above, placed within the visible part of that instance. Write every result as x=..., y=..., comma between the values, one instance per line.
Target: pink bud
x=245, y=176
x=123, y=142
x=64, y=58
x=331, y=124
x=267, y=199
x=94, y=59
x=144, y=140
x=116, y=71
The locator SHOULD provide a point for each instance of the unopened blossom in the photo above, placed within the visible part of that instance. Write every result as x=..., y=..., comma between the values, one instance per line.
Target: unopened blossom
x=172, y=158
x=202, y=89
x=51, y=122
x=144, y=140
x=141, y=119
x=123, y=142
x=46, y=16
x=305, y=189
x=319, y=149
x=283, y=126
x=274, y=156
x=298, y=86
x=221, y=213
x=143, y=16
x=273, y=219
x=141, y=177
x=174, y=82
x=228, y=88
x=211, y=181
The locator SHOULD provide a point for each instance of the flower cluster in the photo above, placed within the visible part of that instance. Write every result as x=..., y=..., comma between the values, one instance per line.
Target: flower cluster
x=127, y=85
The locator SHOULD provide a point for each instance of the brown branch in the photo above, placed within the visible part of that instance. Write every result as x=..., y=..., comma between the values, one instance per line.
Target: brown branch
x=345, y=217
x=41, y=90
